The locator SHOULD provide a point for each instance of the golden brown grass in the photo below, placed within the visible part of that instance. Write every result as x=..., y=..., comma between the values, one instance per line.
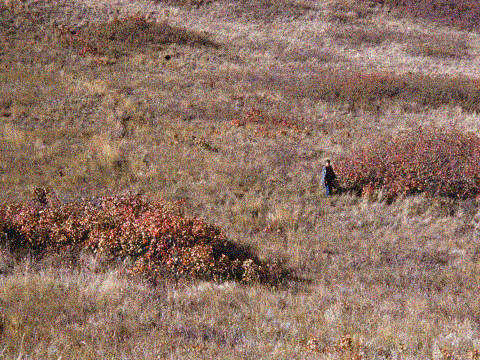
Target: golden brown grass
x=387, y=281
x=398, y=294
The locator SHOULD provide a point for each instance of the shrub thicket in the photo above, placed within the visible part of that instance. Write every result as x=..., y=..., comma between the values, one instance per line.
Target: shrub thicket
x=138, y=32
x=434, y=161
x=368, y=89
x=156, y=239
x=130, y=34
x=460, y=13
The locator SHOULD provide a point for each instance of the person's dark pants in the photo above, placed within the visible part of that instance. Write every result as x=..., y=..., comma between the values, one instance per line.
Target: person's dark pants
x=328, y=188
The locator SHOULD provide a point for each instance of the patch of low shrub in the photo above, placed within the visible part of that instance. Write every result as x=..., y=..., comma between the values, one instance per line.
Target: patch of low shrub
x=357, y=36
x=188, y=3
x=258, y=116
x=426, y=160
x=438, y=47
x=130, y=34
x=459, y=13
x=265, y=11
x=367, y=90
x=344, y=12
x=157, y=240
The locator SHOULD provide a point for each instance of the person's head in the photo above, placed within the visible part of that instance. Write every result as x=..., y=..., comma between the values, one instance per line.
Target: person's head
x=327, y=162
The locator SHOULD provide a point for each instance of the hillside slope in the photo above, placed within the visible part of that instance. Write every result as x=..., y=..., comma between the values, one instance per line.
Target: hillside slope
x=226, y=110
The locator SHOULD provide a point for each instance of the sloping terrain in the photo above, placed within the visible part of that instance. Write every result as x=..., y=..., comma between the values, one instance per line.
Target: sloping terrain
x=226, y=110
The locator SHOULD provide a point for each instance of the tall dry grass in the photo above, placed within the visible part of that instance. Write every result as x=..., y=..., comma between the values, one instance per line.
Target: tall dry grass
x=236, y=135
x=375, y=293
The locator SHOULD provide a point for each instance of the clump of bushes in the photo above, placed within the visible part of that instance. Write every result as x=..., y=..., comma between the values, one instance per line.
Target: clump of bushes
x=157, y=240
x=367, y=90
x=358, y=36
x=426, y=160
x=460, y=13
x=438, y=47
x=138, y=32
x=258, y=116
x=194, y=3
x=130, y=34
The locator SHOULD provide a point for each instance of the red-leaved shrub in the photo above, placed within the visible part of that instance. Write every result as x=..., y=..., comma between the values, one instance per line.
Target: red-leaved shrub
x=430, y=160
x=158, y=240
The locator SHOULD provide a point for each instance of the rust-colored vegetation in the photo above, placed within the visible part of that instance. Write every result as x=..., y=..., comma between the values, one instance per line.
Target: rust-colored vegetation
x=434, y=161
x=156, y=240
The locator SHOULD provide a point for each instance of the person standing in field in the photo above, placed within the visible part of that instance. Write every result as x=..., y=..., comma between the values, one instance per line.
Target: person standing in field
x=328, y=178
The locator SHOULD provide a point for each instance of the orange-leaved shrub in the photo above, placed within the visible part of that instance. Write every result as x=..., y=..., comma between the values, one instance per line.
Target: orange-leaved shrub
x=430, y=160
x=157, y=240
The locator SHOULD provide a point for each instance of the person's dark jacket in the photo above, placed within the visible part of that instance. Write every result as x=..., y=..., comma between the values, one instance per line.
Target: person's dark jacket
x=328, y=175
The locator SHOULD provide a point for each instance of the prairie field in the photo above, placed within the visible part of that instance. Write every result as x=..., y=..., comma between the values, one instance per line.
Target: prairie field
x=160, y=179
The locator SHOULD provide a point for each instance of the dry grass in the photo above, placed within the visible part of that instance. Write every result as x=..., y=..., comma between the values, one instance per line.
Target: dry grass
x=236, y=134
x=396, y=295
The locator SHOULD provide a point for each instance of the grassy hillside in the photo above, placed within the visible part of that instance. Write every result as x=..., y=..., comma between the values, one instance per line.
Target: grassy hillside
x=226, y=110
